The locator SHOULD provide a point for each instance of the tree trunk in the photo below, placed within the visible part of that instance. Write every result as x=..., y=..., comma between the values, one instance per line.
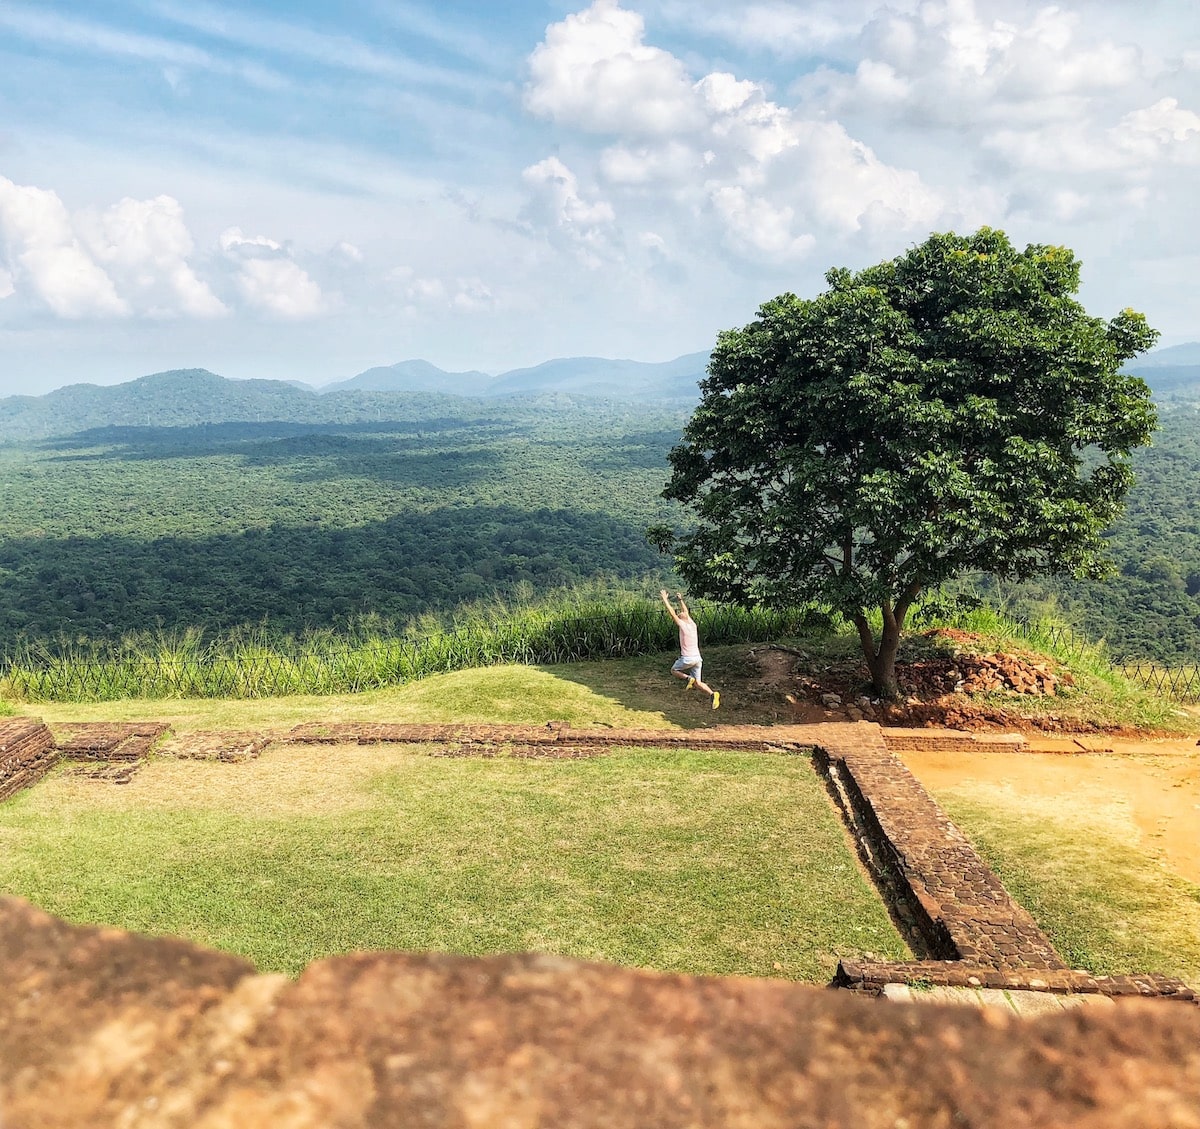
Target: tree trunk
x=881, y=657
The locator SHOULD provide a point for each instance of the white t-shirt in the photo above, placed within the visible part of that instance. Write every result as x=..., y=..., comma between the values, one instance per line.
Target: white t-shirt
x=689, y=639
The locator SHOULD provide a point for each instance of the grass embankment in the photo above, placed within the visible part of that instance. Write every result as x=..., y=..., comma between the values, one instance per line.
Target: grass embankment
x=699, y=862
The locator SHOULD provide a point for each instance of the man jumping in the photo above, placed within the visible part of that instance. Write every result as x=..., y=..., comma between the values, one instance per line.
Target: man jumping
x=689, y=663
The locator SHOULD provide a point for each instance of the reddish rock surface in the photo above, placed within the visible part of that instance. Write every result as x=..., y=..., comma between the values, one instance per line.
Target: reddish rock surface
x=100, y=1028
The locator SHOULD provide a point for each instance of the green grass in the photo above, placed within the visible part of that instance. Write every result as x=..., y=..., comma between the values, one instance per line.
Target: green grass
x=721, y=863
x=1106, y=904
x=567, y=627
x=638, y=694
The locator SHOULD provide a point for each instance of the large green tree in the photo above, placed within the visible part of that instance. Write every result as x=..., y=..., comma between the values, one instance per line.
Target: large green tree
x=954, y=408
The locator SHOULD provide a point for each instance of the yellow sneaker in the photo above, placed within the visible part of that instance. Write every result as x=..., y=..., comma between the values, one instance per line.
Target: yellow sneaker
x=691, y=683
x=716, y=699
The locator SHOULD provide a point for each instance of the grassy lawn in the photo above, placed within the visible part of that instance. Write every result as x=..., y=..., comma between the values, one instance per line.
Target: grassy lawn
x=1102, y=898
x=721, y=863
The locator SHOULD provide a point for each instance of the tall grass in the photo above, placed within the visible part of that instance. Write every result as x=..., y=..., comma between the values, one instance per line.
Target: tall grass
x=568, y=628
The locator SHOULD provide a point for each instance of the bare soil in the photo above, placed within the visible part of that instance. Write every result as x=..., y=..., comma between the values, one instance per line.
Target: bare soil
x=1153, y=780
x=806, y=692
x=1153, y=783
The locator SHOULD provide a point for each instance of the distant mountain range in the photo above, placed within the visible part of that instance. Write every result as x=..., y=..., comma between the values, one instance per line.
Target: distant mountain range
x=1174, y=369
x=191, y=397
x=410, y=389
x=577, y=376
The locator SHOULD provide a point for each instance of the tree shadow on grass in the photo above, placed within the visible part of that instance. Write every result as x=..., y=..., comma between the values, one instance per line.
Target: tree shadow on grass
x=646, y=684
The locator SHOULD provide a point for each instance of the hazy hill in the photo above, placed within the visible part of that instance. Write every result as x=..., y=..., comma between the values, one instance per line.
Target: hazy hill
x=1169, y=379
x=1188, y=354
x=1170, y=371
x=413, y=376
x=413, y=389
x=579, y=376
x=623, y=380
x=177, y=398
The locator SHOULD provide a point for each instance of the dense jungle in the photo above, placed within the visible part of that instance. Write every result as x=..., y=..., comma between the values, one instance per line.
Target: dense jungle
x=413, y=504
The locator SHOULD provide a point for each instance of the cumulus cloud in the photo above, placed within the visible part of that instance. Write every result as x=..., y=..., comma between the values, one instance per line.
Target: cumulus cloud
x=280, y=287
x=717, y=147
x=947, y=64
x=754, y=224
x=42, y=253
x=425, y=297
x=268, y=279
x=144, y=245
x=594, y=71
x=1162, y=131
x=557, y=209
x=235, y=242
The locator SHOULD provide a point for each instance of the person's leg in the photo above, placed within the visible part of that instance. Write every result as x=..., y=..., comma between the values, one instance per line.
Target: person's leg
x=685, y=671
x=696, y=672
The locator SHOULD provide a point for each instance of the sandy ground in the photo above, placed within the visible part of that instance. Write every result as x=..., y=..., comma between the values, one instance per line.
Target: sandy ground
x=1157, y=783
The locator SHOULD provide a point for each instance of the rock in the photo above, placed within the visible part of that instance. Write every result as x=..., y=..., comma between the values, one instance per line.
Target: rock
x=100, y=1028
x=831, y=701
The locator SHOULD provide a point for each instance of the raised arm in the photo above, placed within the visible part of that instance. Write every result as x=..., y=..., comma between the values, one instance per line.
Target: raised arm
x=683, y=606
x=667, y=604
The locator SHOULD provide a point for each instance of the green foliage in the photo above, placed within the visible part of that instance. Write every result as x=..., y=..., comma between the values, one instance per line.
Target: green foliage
x=226, y=527
x=1153, y=610
x=952, y=409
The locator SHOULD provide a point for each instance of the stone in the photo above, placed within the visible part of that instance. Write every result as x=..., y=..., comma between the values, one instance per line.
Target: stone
x=100, y=1028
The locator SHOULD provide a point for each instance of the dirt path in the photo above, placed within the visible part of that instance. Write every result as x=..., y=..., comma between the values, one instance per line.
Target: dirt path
x=1156, y=783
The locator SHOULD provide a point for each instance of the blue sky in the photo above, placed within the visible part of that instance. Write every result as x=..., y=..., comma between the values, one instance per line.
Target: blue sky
x=305, y=190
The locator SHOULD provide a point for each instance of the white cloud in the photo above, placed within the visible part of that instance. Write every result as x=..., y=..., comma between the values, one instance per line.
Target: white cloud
x=234, y=241
x=472, y=295
x=1164, y=130
x=716, y=148
x=426, y=292
x=281, y=288
x=593, y=71
x=269, y=279
x=557, y=209
x=753, y=224
x=947, y=64
x=43, y=253
x=144, y=245
x=669, y=162
x=7, y=284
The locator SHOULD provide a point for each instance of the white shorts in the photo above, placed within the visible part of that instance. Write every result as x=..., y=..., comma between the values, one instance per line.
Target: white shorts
x=689, y=665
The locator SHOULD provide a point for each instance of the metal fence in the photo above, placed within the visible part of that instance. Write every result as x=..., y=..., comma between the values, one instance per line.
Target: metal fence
x=1180, y=684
